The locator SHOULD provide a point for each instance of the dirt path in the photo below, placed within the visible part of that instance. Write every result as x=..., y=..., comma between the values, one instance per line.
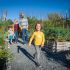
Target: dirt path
x=23, y=59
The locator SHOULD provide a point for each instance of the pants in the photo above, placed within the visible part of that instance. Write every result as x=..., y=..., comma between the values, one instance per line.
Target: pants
x=10, y=39
x=37, y=54
x=16, y=36
x=24, y=35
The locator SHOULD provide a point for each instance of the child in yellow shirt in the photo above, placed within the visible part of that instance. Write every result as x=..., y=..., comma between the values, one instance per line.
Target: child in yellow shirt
x=39, y=40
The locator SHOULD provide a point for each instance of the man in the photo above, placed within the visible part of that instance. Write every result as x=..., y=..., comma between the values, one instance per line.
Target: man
x=24, y=27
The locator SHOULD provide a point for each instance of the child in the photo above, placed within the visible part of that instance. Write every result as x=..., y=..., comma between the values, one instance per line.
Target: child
x=10, y=35
x=39, y=40
x=16, y=26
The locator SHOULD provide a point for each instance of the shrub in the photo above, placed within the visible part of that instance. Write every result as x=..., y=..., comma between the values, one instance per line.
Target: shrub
x=5, y=54
x=59, y=33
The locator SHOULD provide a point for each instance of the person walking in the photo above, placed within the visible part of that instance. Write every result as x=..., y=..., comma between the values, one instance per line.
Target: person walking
x=24, y=28
x=39, y=39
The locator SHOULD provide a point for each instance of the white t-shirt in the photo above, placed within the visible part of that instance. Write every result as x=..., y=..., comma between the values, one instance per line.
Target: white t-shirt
x=10, y=33
x=24, y=23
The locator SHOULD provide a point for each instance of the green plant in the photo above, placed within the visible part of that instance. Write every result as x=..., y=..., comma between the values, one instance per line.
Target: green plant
x=5, y=57
x=2, y=42
x=5, y=54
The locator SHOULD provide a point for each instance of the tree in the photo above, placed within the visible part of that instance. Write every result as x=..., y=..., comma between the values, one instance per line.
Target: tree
x=56, y=19
x=32, y=21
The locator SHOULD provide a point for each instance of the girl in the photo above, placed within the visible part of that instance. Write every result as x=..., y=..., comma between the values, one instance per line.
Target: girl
x=38, y=37
x=10, y=35
x=16, y=26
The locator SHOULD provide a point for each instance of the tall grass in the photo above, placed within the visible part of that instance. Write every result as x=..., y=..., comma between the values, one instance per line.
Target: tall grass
x=62, y=34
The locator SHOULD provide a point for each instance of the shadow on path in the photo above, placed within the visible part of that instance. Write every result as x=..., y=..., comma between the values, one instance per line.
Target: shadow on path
x=26, y=53
x=59, y=57
x=20, y=41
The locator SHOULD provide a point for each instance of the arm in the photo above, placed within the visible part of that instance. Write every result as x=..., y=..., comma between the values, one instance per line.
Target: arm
x=27, y=24
x=20, y=26
x=32, y=37
x=43, y=40
x=13, y=27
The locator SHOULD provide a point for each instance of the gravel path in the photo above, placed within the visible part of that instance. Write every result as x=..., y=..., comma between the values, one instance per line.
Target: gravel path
x=23, y=59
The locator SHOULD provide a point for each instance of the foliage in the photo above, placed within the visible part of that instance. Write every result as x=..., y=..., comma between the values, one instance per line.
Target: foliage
x=5, y=54
x=2, y=43
x=54, y=27
x=3, y=30
x=32, y=21
x=5, y=24
x=5, y=57
x=57, y=33
x=56, y=19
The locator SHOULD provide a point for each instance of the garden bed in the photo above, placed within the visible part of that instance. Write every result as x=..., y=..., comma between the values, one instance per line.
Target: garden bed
x=63, y=46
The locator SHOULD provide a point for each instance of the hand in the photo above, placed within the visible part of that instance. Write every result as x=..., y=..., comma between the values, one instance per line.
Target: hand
x=42, y=46
x=26, y=28
x=29, y=45
x=21, y=28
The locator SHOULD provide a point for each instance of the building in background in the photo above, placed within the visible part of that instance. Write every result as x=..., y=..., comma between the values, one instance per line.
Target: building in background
x=4, y=15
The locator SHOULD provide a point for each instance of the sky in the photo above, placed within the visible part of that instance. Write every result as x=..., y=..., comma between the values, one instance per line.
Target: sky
x=38, y=8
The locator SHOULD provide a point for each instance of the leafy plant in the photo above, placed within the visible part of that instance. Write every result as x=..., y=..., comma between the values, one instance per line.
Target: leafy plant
x=5, y=54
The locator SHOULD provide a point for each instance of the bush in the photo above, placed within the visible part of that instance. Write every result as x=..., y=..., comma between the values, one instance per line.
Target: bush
x=2, y=42
x=5, y=54
x=5, y=57
x=59, y=33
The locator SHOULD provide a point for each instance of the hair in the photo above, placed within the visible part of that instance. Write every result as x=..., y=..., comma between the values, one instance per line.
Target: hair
x=38, y=23
x=21, y=15
x=10, y=26
x=15, y=20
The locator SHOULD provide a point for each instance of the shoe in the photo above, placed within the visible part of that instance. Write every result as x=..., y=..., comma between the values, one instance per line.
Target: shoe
x=10, y=43
x=40, y=66
x=15, y=42
x=37, y=64
x=8, y=47
x=23, y=42
x=33, y=56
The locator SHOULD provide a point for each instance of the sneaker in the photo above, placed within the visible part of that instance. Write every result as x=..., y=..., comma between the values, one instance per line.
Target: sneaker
x=15, y=42
x=33, y=56
x=8, y=47
x=37, y=64
x=40, y=66
x=10, y=43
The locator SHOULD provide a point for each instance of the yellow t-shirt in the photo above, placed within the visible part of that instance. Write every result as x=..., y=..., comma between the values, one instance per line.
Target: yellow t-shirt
x=38, y=38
